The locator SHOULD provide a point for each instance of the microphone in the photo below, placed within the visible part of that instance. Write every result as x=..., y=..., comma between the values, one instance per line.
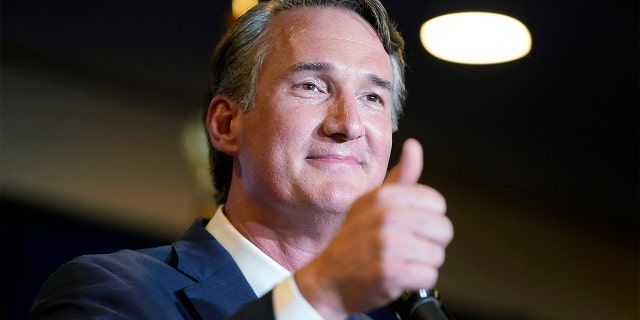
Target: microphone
x=421, y=305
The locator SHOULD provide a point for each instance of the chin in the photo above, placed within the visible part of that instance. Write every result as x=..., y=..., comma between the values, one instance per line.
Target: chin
x=336, y=200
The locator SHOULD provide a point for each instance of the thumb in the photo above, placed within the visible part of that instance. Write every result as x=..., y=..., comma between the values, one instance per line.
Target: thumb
x=409, y=167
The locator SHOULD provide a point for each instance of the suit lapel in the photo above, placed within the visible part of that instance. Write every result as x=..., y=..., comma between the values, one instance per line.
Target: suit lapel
x=220, y=288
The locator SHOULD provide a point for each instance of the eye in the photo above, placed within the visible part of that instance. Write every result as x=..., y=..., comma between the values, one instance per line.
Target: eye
x=309, y=87
x=373, y=98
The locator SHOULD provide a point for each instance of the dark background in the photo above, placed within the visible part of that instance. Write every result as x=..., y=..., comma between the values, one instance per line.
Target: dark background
x=545, y=147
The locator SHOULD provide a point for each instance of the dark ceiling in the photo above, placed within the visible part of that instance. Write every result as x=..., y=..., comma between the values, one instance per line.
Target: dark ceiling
x=558, y=128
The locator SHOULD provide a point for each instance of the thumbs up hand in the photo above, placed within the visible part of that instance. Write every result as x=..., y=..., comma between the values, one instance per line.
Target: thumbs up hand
x=393, y=240
x=409, y=168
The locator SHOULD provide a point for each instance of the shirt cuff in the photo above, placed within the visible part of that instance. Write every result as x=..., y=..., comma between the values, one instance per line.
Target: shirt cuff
x=289, y=304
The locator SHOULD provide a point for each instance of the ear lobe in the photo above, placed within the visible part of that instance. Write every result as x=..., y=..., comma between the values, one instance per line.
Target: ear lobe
x=220, y=124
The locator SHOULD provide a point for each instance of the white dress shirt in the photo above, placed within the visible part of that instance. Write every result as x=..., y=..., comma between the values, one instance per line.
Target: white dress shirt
x=262, y=272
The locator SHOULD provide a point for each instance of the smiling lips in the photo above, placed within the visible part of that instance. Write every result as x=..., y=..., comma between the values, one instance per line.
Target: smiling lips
x=334, y=159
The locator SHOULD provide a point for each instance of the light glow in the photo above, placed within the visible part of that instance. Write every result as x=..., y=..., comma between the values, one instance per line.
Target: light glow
x=239, y=7
x=476, y=38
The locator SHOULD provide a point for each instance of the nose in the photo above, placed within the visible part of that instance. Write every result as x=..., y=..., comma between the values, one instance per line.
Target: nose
x=343, y=121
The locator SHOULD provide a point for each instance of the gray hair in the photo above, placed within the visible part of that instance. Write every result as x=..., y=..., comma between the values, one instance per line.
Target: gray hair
x=238, y=58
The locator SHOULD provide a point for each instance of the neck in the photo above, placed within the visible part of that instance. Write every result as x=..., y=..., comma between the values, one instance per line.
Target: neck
x=290, y=236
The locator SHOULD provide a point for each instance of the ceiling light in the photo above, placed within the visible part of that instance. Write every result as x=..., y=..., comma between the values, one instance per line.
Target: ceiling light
x=476, y=38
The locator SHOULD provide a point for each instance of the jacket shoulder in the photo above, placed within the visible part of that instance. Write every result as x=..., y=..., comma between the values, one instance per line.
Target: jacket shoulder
x=123, y=284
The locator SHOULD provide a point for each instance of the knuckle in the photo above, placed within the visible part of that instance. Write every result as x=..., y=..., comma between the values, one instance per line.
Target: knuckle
x=449, y=231
x=439, y=257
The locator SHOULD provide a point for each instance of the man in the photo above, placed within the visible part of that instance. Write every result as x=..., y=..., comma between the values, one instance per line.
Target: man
x=304, y=97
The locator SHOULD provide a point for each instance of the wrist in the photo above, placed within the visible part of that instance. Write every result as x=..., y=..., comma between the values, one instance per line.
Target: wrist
x=321, y=294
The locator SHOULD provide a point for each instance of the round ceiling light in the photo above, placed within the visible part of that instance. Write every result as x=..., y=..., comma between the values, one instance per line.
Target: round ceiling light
x=476, y=38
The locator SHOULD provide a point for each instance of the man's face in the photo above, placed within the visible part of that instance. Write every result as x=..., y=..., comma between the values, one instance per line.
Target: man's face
x=319, y=134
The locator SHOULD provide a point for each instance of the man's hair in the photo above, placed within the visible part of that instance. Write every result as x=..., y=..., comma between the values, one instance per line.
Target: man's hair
x=238, y=57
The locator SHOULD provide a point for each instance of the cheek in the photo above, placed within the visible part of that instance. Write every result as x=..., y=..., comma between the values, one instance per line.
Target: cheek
x=380, y=133
x=381, y=142
x=274, y=135
x=294, y=125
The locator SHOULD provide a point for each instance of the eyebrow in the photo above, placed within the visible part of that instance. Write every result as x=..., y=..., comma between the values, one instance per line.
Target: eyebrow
x=311, y=66
x=324, y=66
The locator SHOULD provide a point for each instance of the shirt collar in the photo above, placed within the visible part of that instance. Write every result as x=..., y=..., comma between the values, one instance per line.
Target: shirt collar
x=262, y=272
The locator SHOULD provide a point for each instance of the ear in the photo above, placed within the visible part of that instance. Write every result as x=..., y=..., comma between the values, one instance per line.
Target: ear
x=221, y=124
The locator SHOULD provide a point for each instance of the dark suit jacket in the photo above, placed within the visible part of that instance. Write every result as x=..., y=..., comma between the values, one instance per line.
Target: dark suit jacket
x=194, y=278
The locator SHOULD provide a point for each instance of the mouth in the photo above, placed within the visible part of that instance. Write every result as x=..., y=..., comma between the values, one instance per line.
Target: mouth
x=334, y=159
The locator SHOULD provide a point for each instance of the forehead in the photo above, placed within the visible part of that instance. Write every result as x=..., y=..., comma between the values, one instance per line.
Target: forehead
x=320, y=33
x=298, y=19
